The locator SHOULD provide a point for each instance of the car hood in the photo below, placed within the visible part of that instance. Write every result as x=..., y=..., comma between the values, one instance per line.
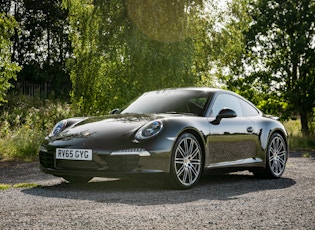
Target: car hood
x=107, y=127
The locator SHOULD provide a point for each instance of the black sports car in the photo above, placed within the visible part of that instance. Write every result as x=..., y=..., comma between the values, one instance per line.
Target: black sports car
x=176, y=132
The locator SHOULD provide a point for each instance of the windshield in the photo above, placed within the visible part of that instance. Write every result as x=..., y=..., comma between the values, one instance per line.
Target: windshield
x=171, y=101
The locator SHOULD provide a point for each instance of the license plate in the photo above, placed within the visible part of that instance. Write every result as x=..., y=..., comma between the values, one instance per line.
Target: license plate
x=74, y=154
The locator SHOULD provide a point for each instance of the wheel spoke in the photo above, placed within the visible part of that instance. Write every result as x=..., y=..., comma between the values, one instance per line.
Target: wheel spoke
x=190, y=175
x=191, y=147
x=181, y=151
x=195, y=153
x=282, y=161
x=195, y=162
x=185, y=147
x=185, y=175
x=180, y=171
x=179, y=160
x=271, y=150
x=271, y=158
x=282, y=154
x=280, y=146
x=193, y=170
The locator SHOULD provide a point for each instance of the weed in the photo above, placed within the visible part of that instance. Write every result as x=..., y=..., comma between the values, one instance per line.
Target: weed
x=25, y=185
x=19, y=185
x=4, y=186
x=306, y=155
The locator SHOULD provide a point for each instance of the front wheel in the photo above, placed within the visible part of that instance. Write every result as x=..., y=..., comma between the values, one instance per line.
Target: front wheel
x=186, y=162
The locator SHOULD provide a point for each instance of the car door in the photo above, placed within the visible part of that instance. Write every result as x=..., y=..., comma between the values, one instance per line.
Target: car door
x=231, y=140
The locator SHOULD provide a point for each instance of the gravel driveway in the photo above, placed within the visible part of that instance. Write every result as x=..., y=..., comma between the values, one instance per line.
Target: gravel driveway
x=233, y=201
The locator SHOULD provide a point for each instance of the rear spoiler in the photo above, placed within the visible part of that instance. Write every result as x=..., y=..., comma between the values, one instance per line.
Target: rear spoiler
x=271, y=116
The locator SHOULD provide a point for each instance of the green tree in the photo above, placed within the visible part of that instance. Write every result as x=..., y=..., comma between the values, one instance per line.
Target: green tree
x=270, y=56
x=226, y=44
x=235, y=67
x=41, y=46
x=8, y=69
x=123, y=48
x=282, y=39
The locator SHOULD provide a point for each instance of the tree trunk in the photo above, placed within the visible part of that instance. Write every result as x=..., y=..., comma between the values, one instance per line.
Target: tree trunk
x=304, y=123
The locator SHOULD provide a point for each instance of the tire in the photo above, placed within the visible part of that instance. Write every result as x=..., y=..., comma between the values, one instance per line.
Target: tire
x=186, y=162
x=276, y=158
x=77, y=179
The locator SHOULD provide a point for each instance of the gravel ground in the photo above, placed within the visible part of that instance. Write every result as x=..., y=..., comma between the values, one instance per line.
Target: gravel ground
x=233, y=201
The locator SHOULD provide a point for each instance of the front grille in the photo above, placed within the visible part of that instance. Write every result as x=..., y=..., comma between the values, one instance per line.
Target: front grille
x=47, y=159
x=123, y=163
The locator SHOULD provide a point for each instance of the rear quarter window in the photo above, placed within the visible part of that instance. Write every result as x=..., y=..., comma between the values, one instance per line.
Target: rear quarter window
x=248, y=109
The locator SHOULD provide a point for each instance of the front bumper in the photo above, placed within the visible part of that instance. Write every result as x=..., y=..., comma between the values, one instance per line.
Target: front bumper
x=117, y=163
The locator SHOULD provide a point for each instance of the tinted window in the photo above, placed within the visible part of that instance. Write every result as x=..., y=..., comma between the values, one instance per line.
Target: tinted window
x=223, y=101
x=248, y=110
x=170, y=101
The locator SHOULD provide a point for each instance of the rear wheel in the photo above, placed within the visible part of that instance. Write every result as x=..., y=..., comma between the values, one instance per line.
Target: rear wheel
x=276, y=158
x=186, y=162
x=77, y=179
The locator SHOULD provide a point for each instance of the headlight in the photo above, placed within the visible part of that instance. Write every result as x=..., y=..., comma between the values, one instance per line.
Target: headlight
x=149, y=130
x=59, y=127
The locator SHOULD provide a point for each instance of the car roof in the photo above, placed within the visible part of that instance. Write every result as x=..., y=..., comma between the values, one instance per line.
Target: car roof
x=204, y=89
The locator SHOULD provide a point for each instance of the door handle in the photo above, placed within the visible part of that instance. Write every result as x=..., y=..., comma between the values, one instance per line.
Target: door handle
x=250, y=129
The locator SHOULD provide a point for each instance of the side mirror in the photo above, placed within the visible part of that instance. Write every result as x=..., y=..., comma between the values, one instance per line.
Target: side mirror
x=115, y=111
x=224, y=113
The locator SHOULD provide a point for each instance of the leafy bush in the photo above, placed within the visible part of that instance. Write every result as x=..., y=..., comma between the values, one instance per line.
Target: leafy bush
x=25, y=122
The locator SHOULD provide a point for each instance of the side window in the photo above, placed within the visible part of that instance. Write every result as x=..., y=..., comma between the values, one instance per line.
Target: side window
x=226, y=101
x=248, y=110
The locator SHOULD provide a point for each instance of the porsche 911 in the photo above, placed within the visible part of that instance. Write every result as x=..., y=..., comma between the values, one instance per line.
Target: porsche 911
x=178, y=133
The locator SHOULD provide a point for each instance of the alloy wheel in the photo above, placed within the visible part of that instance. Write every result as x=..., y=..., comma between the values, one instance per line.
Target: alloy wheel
x=277, y=155
x=187, y=161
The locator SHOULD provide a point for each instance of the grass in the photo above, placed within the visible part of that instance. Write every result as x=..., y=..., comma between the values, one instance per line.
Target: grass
x=4, y=186
x=25, y=185
x=19, y=185
x=306, y=155
x=296, y=140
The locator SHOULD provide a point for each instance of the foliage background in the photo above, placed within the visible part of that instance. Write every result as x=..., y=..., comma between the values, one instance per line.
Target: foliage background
x=121, y=50
x=98, y=55
x=8, y=69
